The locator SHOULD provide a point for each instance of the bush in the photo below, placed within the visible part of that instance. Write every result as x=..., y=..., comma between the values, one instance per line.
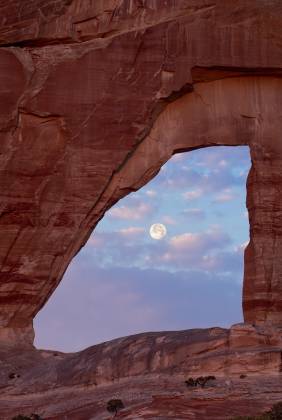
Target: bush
x=114, y=405
x=14, y=375
x=274, y=414
x=276, y=411
x=201, y=381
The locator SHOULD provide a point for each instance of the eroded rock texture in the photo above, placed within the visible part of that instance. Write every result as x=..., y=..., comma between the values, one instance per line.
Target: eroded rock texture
x=89, y=89
x=148, y=373
x=94, y=97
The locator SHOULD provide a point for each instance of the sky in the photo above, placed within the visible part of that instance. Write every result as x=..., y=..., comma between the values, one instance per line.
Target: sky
x=124, y=282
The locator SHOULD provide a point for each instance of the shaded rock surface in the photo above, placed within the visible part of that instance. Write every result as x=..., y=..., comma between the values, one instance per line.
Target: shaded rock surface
x=95, y=96
x=85, y=89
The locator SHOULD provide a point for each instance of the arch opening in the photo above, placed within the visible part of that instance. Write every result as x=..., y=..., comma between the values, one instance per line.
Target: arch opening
x=124, y=282
x=236, y=111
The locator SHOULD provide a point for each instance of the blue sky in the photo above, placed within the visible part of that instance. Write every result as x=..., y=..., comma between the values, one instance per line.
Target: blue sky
x=124, y=282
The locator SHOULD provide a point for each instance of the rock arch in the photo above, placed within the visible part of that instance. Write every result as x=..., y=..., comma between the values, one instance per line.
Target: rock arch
x=231, y=111
x=94, y=99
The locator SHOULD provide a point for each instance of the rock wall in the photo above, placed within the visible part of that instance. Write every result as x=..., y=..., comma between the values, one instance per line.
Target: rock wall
x=92, y=90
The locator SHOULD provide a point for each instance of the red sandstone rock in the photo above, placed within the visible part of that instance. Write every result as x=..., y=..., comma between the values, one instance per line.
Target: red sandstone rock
x=94, y=98
x=82, y=86
x=148, y=372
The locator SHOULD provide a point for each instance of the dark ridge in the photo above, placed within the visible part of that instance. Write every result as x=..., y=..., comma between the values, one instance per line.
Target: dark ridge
x=39, y=42
x=208, y=74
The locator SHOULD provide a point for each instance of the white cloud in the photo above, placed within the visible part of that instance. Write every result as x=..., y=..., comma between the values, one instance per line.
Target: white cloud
x=131, y=231
x=193, y=194
x=185, y=240
x=222, y=163
x=193, y=249
x=226, y=195
x=178, y=157
x=151, y=193
x=169, y=220
x=136, y=212
x=96, y=239
x=241, y=248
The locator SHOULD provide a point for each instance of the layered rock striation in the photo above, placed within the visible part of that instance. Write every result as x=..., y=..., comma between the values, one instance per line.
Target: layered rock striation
x=95, y=96
x=148, y=373
x=85, y=86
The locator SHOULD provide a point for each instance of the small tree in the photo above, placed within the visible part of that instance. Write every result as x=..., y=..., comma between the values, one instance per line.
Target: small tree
x=276, y=411
x=274, y=414
x=201, y=381
x=114, y=405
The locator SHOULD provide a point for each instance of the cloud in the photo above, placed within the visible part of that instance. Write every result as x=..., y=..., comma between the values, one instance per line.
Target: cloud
x=123, y=282
x=209, y=170
x=124, y=247
x=226, y=195
x=168, y=220
x=195, y=243
x=135, y=212
x=215, y=156
x=151, y=193
x=193, y=194
x=131, y=231
x=131, y=247
x=194, y=213
x=224, y=262
x=241, y=248
x=223, y=163
x=178, y=157
x=200, y=251
x=92, y=305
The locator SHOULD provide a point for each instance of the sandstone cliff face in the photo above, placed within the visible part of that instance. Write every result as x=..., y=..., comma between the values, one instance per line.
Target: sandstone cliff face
x=88, y=86
x=94, y=97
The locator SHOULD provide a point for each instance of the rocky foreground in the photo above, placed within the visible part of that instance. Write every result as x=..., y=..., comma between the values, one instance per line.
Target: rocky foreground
x=148, y=373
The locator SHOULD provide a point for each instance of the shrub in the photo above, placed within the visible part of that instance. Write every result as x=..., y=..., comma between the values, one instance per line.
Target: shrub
x=190, y=382
x=274, y=414
x=14, y=375
x=114, y=405
x=201, y=381
x=276, y=411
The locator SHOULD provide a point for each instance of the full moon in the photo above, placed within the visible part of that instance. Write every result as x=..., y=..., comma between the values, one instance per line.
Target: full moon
x=157, y=231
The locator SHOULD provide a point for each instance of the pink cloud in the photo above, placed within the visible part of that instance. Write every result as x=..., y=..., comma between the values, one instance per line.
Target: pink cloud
x=131, y=231
x=151, y=193
x=168, y=220
x=136, y=212
x=178, y=157
x=193, y=194
x=241, y=248
x=226, y=195
x=194, y=249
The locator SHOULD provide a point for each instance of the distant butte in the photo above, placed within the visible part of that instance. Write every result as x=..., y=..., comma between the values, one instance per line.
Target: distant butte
x=95, y=96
